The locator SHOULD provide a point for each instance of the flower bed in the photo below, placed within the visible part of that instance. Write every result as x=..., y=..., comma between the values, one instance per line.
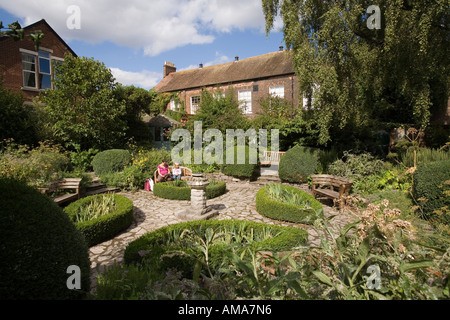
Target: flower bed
x=101, y=227
x=179, y=190
x=287, y=203
x=171, y=246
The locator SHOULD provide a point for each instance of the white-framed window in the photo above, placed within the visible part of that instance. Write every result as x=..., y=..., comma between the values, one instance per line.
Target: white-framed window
x=174, y=105
x=29, y=70
x=245, y=101
x=45, y=74
x=37, y=69
x=195, y=103
x=277, y=91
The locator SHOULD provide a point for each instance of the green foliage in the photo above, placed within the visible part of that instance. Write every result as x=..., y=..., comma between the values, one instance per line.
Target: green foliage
x=232, y=260
x=100, y=226
x=246, y=170
x=16, y=32
x=16, y=119
x=137, y=103
x=287, y=203
x=142, y=167
x=431, y=189
x=298, y=163
x=113, y=160
x=34, y=166
x=172, y=191
x=82, y=160
x=220, y=111
x=38, y=244
x=175, y=115
x=356, y=166
x=222, y=234
x=179, y=190
x=406, y=65
x=83, y=108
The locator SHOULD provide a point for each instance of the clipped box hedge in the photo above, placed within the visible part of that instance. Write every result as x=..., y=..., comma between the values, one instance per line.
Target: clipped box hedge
x=167, y=191
x=105, y=227
x=241, y=171
x=298, y=163
x=155, y=247
x=38, y=242
x=110, y=161
x=276, y=210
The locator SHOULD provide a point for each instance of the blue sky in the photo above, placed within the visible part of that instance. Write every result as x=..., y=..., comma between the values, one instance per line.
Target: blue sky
x=134, y=37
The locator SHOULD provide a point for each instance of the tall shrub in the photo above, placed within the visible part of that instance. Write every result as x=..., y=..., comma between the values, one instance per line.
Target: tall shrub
x=298, y=163
x=113, y=160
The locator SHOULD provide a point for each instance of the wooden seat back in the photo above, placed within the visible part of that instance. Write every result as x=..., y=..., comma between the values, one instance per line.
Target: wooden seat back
x=185, y=172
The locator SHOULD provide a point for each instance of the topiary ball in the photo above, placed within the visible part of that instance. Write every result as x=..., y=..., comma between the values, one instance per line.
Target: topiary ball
x=298, y=163
x=38, y=243
x=113, y=160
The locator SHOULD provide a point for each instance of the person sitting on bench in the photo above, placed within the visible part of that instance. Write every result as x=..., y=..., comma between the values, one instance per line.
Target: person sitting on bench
x=176, y=172
x=164, y=172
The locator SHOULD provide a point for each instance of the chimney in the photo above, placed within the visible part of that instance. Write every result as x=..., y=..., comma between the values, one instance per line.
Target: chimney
x=236, y=58
x=168, y=68
x=200, y=65
x=281, y=48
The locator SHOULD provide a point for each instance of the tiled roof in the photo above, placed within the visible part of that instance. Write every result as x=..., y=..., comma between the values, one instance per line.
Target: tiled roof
x=264, y=66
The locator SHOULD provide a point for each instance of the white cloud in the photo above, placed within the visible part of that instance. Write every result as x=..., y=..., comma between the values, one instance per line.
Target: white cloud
x=153, y=26
x=144, y=79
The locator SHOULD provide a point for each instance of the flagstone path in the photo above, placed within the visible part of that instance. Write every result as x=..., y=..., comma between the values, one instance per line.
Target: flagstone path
x=151, y=213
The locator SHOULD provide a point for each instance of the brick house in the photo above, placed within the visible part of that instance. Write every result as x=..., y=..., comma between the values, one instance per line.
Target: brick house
x=25, y=70
x=251, y=79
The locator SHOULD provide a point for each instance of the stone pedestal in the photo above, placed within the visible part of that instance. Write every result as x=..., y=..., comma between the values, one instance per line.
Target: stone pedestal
x=198, y=209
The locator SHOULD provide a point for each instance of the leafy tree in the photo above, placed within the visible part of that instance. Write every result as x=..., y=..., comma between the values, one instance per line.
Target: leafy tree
x=137, y=103
x=16, y=119
x=398, y=73
x=220, y=111
x=83, y=108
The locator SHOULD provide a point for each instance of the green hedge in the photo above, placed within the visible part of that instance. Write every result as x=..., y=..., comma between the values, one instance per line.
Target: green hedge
x=429, y=185
x=167, y=191
x=288, y=212
x=154, y=245
x=298, y=163
x=241, y=171
x=105, y=227
x=38, y=242
x=108, y=161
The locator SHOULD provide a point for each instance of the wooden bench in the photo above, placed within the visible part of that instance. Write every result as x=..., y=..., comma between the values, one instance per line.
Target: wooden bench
x=271, y=157
x=65, y=184
x=332, y=187
x=185, y=173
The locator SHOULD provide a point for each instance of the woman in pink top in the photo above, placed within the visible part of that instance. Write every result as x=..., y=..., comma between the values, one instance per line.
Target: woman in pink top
x=164, y=172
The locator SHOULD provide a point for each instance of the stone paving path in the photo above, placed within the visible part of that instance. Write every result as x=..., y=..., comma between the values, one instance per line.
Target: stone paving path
x=151, y=213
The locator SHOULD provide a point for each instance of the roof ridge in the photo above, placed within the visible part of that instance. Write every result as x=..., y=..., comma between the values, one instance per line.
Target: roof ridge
x=230, y=62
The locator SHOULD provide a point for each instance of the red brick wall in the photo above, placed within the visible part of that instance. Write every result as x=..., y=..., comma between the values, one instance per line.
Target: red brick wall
x=290, y=83
x=11, y=57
